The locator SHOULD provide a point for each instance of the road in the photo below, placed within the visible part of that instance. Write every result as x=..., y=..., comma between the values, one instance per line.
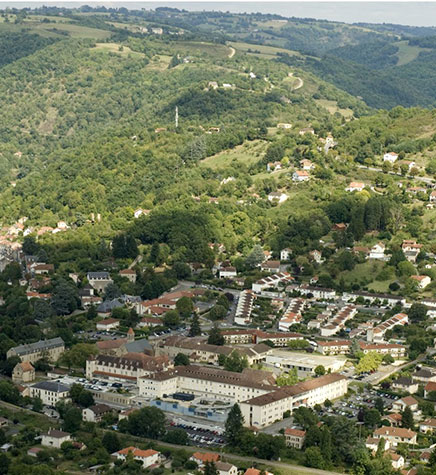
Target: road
x=137, y=260
x=232, y=52
x=426, y=180
x=300, y=82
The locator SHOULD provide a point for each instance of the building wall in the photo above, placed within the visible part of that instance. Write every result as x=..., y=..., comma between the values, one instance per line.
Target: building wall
x=48, y=398
x=52, y=354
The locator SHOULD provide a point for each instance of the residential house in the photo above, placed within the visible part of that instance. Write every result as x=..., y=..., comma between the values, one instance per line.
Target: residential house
x=140, y=212
x=272, y=281
x=50, y=392
x=397, y=460
x=424, y=375
x=390, y=157
x=147, y=457
x=96, y=413
x=333, y=347
x=285, y=254
x=405, y=384
x=270, y=266
x=295, y=438
x=377, y=251
x=372, y=444
x=408, y=164
x=316, y=256
x=55, y=438
x=396, y=435
x=430, y=387
x=423, y=280
x=394, y=419
x=227, y=272
x=108, y=324
x=432, y=197
x=306, y=164
x=307, y=130
x=23, y=372
x=283, y=125
x=409, y=401
x=393, y=349
x=51, y=349
x=355, y=186
x=277, y=197
x=150, y=322
x=300, y=176
x=429, y=425
x=411, y=249
x=226, y=468
x=128, y=274
x=99, y=280
x=201, y=458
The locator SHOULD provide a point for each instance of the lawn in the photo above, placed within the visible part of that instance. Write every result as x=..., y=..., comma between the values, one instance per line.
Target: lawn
x=115, y=48
x=407, y=53
x=194, y=48
x=332, y=107
x=248, y=153
x=364, y=272
x=267, y=52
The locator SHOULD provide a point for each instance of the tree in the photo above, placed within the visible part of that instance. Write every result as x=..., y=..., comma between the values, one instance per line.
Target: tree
x=124, y=246
x=155, y=254
x=147, y=422
x=369, y=362
x=215, y=336
x=380, y=405
x=37, y=405
x=171, y=319
x=185, y=307
x=407, y=418
x=417, y=312
x=42, y=309
x=210, y=469
x=9, y=365
x=9, y=392
x=30, y=246
x=182, y=270
x=181, y=360
x=65, y=298
x=288, y=379
x=388, y=359
x=111, y=442
x=313, y=458
x=255, y=258
x=234, y=425
x=320, y=370
x=217, y=312
x=112, y=291
x=371, y=418
x=177, y=436
x=4, y=464
x=195, y=328
x=77, y=355
x=72, y=419
x=235, y=362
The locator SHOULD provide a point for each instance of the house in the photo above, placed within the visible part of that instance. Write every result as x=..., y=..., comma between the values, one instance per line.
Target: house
x=390, y=157
x=50, y=392
x=430, y=387
x=432, y=197
x=377, y=251
x=51, y=349
x=316, y=256
x=300, y=175
x=377, y=333
x=333, y=347
x=150, y=322
x=424, y=375
x=202, y=457
x=99, y=280
x=393, y=419
x=409, y=401
x=23, y=373
x=411, y=250
x=226, y=272
x=423, y=280
x=270, y=266
x=3, y=422
x=429, y=425
x=128, y=274
x=414, y=190
x=95, y=413
x=397, y=460
x=108, y=324
x=285, y=254
x=106, y=307
x=226, y=468
x=295, y=438
x=372, y=444
x=40, y=269
x=55, y=438
x=396, y=435
x=33, y=451
x=307, y=130
x=306, y=164
x=277, y=196
x=255, y=471
x=147, y=457
x=141, y=212
x=393, y=349
x=355, y=186
x=405, y=384
x=283, y=125
x=408, y=164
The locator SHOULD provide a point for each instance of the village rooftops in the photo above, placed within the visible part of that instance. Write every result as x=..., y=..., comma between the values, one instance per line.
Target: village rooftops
x=40, y=345
x=299, y=388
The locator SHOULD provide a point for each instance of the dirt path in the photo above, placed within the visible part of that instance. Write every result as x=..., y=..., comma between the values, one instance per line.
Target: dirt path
x=300, y=82
x=232, y=52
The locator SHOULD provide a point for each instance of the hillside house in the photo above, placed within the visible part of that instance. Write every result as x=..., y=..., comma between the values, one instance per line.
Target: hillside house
x=227, y=272
x=432, y=197
x=390, y=157
x=96, y=413
x=202, y=457
x=226, y=468
x=277, y=197
x=396, y=435
x=147, y=457
x=411, y=250
x=316, y=256
x=128, y=274
x=295, y=438
x=99, y=280
x=300, y=176
x=270, y=266
x=306, y=164
x=108, y=324
x=429, y=425
x=422, y=280
x=50, y=392
x=285, y=254
x=284, y=125
x=355, y=186
x=409, y=401
x=55, y=438
x=307, y=130
x=405, y=384
x=377, y=251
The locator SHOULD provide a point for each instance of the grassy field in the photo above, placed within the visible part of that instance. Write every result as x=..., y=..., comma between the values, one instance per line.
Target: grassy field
x=407, y=53
x=262, y=51
x=247, y=153
x=193, y=48
x=115, y=48
x=332, y=107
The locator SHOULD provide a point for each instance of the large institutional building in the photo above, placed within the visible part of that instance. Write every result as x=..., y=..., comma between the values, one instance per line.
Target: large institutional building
x=50, y=349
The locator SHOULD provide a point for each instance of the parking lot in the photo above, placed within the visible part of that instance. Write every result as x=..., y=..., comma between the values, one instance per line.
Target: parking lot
x=200, y=434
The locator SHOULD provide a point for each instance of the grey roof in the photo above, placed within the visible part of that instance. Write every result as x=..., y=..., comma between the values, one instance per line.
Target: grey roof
x=57, y=434
x=52, y=386
x=40, y=345
x=138, y=346
x=98, y=275
x=108, y=305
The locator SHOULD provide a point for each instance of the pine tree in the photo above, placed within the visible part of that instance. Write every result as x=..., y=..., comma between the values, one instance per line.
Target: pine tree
x=234, y=426
x=407, y=418
x=215, y=337
x=210, y=469
x=195, y=329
